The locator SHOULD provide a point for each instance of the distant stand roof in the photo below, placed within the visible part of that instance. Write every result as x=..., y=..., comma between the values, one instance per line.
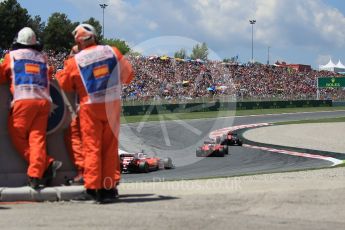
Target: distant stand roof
x=340, y=65
x=330, y=66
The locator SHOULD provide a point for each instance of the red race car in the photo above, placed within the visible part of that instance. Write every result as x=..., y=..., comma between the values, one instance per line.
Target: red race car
x=142, y=163
x=212, y=148
x=231, y=139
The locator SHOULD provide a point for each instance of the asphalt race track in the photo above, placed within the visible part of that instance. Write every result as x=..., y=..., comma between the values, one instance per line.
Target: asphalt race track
x=179, y=139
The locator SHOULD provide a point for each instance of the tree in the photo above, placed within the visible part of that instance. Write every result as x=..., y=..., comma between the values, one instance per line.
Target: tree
x=93, y=22
x=134, y=53
x=200, y=52
x=181, y=54
x=13, y=18
x=37, y=25
x=58, y=32
x=118, y=43
x=232, y=59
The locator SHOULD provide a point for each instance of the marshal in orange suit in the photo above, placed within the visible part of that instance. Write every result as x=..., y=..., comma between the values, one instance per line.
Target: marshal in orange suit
x=96, y=73
x=26, y=69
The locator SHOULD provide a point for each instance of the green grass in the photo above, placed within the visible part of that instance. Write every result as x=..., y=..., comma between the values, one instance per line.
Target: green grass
x=176, y=116
x=324, y=120
x=204, y=115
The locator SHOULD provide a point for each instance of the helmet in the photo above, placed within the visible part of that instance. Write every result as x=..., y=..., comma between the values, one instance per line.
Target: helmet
x=83, y=32
x=26, y=36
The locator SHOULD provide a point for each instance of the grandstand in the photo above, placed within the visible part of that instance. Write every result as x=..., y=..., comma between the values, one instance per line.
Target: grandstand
x=158, y=79
x=176, y=80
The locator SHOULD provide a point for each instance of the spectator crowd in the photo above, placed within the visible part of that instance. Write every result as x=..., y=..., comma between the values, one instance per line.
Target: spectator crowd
x=175, y=80
x=159, y=78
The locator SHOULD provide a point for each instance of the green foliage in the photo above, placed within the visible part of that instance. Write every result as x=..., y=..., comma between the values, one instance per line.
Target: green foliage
x=38, y=26
x=200, y=52
x=58, y=32
x=232, y=59
x=13, y=18
x=182, y=53
x=134, y=53
x=118, y=43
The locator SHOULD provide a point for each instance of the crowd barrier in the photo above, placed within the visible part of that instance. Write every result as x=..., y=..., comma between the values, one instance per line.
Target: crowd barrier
x=338, y=103
x=156, y=108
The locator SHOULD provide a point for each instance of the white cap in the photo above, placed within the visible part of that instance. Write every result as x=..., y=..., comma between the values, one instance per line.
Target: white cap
x=83, y=32
x=26, y=36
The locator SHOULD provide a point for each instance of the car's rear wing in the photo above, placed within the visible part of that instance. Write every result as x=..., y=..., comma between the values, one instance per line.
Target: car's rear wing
x=127, y=155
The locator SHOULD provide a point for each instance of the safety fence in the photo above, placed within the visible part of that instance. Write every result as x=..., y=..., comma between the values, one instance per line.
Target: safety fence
x=157, y=108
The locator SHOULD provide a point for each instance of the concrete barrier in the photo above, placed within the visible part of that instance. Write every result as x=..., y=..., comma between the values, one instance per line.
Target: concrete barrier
x=12, y=166
x=47, y=194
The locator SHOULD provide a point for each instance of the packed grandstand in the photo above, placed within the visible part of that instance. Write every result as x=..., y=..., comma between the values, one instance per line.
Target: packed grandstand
x=161, y=78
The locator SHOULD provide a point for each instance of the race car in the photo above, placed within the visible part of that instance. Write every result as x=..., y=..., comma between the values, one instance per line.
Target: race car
x=212, y=148
x=142, y=163
x=231, y=139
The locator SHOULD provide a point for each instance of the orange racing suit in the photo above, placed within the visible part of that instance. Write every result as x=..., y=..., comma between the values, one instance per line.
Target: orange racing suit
x=72, y=135
x=74, y=144
x=28, y=73
x=96, y=74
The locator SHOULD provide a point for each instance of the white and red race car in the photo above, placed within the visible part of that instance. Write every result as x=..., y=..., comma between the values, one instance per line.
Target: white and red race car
x=143, y=163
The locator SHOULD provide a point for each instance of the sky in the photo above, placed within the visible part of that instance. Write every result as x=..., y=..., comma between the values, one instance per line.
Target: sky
x=295, y=31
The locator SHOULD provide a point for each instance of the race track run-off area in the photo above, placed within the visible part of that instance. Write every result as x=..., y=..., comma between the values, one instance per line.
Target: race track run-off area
x=179, y=140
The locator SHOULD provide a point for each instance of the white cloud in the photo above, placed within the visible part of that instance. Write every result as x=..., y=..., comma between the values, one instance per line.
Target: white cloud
x=152, y=25
x=323, y=59
x=286, y=22
x=308, y=26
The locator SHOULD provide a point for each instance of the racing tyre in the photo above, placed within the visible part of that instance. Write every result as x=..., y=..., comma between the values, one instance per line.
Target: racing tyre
x=198, y=153
x=168, y=163
x=226, y=150
x=144, y=167
x=224, y=140
x=219, y=154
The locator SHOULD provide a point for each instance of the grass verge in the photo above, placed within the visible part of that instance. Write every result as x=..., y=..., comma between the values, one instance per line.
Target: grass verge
x=324, y=120
x=215, y=114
